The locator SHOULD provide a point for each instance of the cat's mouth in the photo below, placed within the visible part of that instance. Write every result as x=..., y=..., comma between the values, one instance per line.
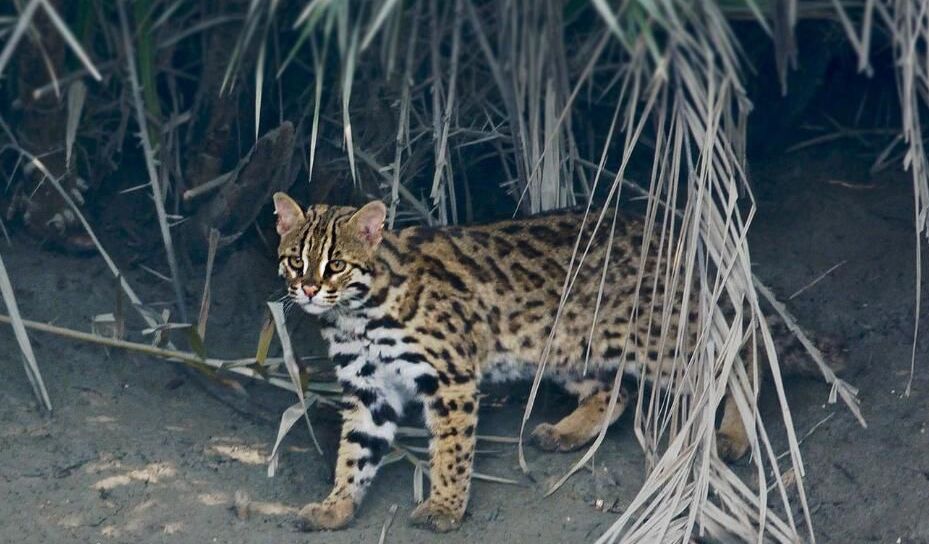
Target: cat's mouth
x=315, y=305
x=315, y=308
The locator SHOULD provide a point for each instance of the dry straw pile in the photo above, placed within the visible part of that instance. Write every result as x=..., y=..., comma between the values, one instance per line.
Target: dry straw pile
x=421, y=102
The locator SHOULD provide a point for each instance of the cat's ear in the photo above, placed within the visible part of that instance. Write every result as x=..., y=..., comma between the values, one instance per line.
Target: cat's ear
x=289, y=214
x=369, y=222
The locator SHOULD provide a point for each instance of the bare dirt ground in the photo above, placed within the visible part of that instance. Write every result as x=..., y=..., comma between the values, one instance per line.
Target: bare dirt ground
x=136, y=452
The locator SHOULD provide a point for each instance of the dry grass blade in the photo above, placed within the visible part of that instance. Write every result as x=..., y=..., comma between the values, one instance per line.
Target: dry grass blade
x=290, y=416
x=259, y=85
x=907, y=22
x=22, y=24
x=69, y=39
x=385, y=10
x=290, y=361
x=264, y=341
x=403, y=122
x=22, y=338
x=150, y=161
x=418, y=483
x=348, y=77
x=77, y=94
x=205, y=301
x=391, y=514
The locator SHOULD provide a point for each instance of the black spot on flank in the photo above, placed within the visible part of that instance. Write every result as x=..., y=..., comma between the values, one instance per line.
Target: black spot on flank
x=396, y=280
x=437, y=269
x=464, y=378
x=375, y=444
x=412, y=357
x=422, y=235
x=552, y=267
x=469, y=430
x=513, y=228
x=528, y=250
x=443, y=377
x=459, y=309
x=427, y=384
x=468, y=407
x=612, y=352
x=536, y=280
x=504, y=247
x=386, y=341
x=460, y=469
x=385, y=322
x=475, y=269
x=543, y=232
x=384, y=413
x=452, y=405
x=366, y=370
x=437, y=334
x=387, y=244
x=439, y=407
x=377, y=298
x=501, y=278
x=480, y=237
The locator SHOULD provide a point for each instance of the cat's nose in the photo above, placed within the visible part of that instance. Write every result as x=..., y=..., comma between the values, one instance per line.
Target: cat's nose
x=310, y=290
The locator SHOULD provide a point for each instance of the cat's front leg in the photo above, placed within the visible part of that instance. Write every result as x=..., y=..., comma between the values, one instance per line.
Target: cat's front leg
x=451, y=414
x=368, y=429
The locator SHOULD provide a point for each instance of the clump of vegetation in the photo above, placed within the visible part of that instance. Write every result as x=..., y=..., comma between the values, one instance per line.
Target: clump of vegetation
x=451, y=112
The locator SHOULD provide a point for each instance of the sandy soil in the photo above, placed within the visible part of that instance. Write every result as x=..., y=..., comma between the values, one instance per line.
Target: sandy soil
x=136, y=452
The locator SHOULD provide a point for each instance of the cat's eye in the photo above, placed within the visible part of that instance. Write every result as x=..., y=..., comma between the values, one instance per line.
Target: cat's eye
x=336, y=266
x=295, y=262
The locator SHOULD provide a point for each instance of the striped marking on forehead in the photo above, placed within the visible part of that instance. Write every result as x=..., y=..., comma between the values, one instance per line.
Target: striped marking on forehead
x=320, y=237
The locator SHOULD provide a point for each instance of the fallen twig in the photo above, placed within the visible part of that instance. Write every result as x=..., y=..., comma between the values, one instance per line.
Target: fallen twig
x=817, y=280
x=209, y=365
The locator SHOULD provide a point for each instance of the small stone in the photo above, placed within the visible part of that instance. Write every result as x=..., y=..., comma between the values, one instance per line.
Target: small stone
x=241, y=505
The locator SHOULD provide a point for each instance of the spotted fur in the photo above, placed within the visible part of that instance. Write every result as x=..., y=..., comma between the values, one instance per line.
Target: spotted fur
x=424, y=315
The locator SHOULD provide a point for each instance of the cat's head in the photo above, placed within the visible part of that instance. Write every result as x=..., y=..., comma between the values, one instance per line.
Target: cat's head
x=326, y=254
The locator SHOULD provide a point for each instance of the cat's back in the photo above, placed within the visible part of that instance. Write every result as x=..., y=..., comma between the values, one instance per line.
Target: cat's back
x=516, y=256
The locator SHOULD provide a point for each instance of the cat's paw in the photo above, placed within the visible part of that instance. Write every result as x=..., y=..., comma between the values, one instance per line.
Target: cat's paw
x=547, y=438
x=731, y=446
x=431, y=516
x=327, y=515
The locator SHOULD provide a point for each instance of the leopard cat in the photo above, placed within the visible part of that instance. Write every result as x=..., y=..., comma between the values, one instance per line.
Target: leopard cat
x=423, y=316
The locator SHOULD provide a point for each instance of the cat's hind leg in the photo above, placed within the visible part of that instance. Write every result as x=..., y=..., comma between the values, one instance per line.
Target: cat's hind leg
x=583, y=424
